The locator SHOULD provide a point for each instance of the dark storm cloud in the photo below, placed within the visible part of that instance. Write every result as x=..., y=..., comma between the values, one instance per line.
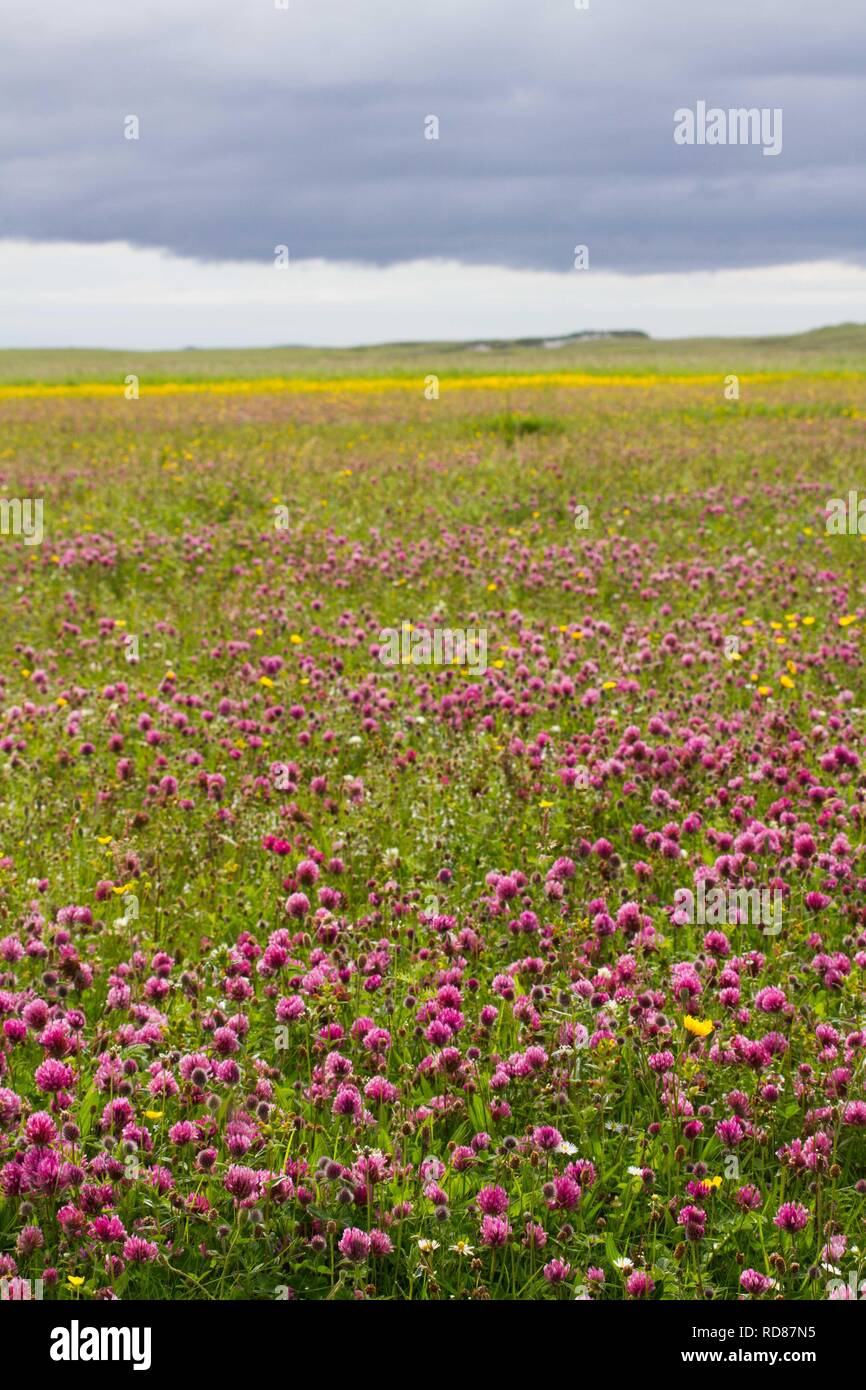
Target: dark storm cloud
x=306, y=127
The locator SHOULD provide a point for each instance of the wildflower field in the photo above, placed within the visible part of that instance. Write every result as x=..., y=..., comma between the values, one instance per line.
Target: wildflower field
x=327, y=978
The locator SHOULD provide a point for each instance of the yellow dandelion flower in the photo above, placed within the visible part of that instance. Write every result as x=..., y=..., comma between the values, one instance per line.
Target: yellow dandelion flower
x=700, y=1027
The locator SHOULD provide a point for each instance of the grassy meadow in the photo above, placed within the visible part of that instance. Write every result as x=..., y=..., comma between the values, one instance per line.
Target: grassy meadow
x=323, y=977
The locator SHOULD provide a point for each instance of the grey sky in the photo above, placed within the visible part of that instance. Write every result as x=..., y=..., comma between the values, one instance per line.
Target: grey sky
x=306, y=127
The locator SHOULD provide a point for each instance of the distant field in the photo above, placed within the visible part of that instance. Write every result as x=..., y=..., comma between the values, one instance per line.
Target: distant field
x=841, y=349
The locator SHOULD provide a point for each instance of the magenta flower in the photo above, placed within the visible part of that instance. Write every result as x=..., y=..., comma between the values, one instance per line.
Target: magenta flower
x=493, y=1201
x=52, y=1075
x=290, y=1009
x=556, y=1271
x=791, y=1217
x=380, y=1244
x=354, y=1245
x=242, y=1182
x=749, y=1198
x=494, y=1231
x=138, y=1251
x=546, y=1137
x=639, y=1284
x=753, y=1282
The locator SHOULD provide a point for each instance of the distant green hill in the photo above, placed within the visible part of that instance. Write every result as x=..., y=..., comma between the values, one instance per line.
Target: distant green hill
x=838, y=348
